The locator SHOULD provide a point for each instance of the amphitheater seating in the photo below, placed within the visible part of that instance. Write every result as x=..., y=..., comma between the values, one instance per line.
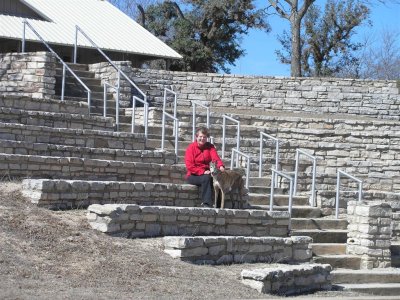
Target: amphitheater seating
x=68, y=159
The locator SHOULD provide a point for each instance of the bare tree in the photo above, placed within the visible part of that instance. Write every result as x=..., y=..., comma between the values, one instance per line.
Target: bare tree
x=294, y=13
x=133, y=8
x=383, y=61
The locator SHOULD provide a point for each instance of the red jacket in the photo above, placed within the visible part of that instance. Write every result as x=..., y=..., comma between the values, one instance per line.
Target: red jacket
x=197, y=159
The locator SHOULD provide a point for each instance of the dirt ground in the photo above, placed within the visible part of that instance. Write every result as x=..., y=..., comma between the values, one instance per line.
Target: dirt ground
x=56, y=255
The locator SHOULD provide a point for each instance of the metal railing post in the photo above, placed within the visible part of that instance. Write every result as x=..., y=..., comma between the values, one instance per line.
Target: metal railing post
x=360, y=184
x=117, y=100
x=314, y=172
x=23, y=36
x=105, y=100
x=237, y=153
x=63, y=84
x=76, y=45
x=224, y=117
x=262, y=136
x=290, y=204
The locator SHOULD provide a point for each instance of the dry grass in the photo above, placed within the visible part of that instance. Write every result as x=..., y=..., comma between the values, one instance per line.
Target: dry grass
x=55, y=254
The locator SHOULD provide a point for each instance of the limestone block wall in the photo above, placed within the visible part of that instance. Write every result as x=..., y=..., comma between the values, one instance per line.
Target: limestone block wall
x=41, y=104
x=239, y=249
x=132, y=221
x=54, y=119
x=32, y=166
x=289, y=279
x=370, y=232
x=28, y=74
x=61, y=194
x=108, y=74
x=72, y=137
x=322, y=95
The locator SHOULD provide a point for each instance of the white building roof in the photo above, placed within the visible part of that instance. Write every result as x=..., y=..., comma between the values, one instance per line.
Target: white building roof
x=105, y=24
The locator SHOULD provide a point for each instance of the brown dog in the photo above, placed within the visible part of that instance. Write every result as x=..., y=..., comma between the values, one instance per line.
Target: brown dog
x=226, y=182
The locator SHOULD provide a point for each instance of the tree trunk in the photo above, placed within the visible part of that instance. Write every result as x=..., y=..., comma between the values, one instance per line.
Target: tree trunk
x=295, y=67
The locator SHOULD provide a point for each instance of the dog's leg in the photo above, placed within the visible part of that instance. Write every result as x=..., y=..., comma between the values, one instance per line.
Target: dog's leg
x=222, y=199
x=216, y=189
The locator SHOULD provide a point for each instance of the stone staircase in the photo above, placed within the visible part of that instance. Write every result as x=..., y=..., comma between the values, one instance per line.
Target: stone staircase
x=71, y=159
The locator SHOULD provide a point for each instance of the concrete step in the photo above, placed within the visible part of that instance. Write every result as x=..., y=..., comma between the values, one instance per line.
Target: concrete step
x=297, y=211
x=323, y=236
x=44, y=149
x=339, y=261
x=34, y=166
x=279, y=200
x=320, y=249
x=55, y=120
x=320, y=223
x=384, y=275
x=267, y=189
x=379, y=289
x=44, y=105
x=72, y=137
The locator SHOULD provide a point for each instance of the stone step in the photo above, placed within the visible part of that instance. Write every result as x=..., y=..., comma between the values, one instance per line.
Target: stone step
x=44, y=149
x=379, y=289
x=380, y=275
x=46, y=105
x=318, y=223
x=94, y=84
x=216, y=250
x=33, y=166
x=55, y=120
x=297, y=211
x=320, y=249
x=339, y=261
x=279, y=200
x=130, y=220
x=66, y=194
x=323, y=236
x=75, y=67
x=273, y=119
x=72, y=137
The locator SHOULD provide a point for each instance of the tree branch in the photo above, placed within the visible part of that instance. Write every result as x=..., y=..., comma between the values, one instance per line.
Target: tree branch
x=280, y=11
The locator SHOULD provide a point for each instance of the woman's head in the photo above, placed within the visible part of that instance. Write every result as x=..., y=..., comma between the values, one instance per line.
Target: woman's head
x=201, y=135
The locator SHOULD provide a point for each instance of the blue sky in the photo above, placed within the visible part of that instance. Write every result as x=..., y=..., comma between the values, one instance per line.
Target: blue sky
x=260, y=58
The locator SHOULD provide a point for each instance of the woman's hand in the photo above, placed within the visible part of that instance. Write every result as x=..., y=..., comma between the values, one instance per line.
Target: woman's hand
x=207, y=172
x=222, y=168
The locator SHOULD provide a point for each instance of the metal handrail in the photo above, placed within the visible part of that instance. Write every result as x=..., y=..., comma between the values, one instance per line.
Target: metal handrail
x=65, y=66
x=224, y=117
x=236, y=152
x=117, y=88
x=276, y=140
x=360, y=184
x=271, y=200
x=194, y=103
x=166, y=91
x=176, y=128
x=145, y=112
x=314, y=171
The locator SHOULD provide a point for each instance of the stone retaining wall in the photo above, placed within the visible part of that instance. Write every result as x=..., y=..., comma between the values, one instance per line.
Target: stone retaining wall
x=61, y=194
x=56, y=120
x=72, y=137
x=369, y=233
x=396, y=225
x=28, y=74
x=226, y=250
x=44, y=149
x=40, y=104
x=377, y=98
x=133, y=221
x=32, y=166
x=289, y=280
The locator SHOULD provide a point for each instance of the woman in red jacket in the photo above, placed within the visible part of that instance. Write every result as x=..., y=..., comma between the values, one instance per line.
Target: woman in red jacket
x=198, y=156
